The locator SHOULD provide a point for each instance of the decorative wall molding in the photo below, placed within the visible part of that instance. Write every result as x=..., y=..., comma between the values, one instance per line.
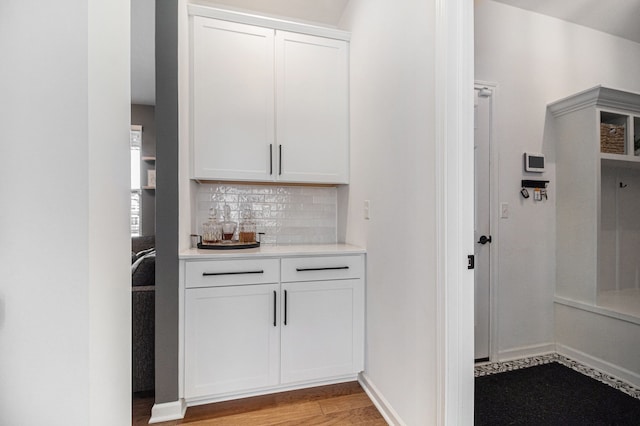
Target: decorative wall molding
x=599, y=96
x=454, y=65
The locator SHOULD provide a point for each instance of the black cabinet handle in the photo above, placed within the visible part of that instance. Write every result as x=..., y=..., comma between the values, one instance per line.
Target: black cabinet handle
x=333, y=268
x=212, y=274
x=275, y=302
x=270, y=158
x=285, y=307
x=279, y=159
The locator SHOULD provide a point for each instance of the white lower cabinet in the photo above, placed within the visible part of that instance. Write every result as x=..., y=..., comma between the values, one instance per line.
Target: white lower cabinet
x=257, y=337
x=321, y=329
x=232, y=339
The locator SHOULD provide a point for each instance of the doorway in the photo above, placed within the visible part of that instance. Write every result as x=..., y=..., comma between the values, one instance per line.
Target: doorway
x=483, y=230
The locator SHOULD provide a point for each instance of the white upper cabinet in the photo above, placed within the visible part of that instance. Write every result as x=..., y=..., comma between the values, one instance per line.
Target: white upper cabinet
x=232, y=100
x=267, y=105
x=312, y=108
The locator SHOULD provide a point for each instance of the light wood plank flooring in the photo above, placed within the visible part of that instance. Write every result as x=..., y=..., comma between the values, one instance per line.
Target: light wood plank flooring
x=341, y=404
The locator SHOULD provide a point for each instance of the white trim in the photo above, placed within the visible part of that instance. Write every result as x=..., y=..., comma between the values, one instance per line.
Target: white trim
x=454, y=214
x=526, y=352
x=380, y=402
x=267, y=22
x=600, y=364
x=596, y=310
x=494, y=221
x=601, y=96
x=181, y=313
x=192, y=402
x=168, y=411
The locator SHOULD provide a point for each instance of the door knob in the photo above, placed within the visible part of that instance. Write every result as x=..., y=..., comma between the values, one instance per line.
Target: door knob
x=484, y=239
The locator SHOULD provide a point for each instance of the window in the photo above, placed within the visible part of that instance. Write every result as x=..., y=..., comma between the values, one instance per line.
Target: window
x=136, y=191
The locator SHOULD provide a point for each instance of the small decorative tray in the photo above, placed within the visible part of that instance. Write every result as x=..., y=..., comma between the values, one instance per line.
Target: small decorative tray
x=232, y=245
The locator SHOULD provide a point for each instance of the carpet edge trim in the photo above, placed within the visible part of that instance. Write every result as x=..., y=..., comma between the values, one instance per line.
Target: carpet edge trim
x=491, y=368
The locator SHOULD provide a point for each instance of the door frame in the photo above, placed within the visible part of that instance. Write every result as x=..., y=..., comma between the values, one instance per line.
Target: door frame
x=454, y=173
x=494, y=221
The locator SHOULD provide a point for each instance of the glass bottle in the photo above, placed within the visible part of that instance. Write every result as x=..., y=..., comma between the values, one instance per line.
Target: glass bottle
x=212, y=229
x=247, y=228
x=228, y=226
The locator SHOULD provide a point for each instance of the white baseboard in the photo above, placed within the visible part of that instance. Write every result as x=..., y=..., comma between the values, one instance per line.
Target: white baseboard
x=168, y=411
x=192, y=402
x=383, y=406
x=599, y=364
x=526, y=352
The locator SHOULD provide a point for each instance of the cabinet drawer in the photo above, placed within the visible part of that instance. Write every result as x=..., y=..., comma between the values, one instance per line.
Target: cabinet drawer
x=216, y=273
x=322, y=268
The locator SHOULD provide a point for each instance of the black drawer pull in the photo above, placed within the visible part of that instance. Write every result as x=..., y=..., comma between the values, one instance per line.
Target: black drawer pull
x=270, y=159
x=212, y=274
x=333, y=268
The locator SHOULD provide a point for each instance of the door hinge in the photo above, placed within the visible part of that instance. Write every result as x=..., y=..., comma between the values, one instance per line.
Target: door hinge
x=472, y=261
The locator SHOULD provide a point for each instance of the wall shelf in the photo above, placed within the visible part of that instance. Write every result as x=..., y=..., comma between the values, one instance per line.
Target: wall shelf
x=149, y=159
x=528, y=183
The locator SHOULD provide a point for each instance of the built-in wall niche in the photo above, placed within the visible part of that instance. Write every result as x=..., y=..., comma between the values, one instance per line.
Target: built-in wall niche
x=613, y=133
x=620, y=229
x=619, y=134
x=598, y=199
x=619, y=240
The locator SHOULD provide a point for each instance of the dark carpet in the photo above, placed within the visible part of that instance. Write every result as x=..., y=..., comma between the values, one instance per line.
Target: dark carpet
x=551, y=394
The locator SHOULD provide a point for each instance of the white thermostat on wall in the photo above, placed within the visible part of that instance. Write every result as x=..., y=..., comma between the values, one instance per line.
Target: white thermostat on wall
x=533, y=162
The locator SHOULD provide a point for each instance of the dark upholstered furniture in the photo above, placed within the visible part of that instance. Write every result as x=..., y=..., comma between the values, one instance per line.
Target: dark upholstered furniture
x=143, y=314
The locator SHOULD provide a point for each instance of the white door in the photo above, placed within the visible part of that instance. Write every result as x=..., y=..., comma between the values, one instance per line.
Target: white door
x=232, y=92
x=232, y=339
x=312, y=96
x=322, y=329
x=482, y=149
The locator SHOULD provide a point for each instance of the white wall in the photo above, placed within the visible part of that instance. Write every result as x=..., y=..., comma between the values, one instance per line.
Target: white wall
x=65, y=282
x=536, y=60
x=392, y=165
x=601, y=341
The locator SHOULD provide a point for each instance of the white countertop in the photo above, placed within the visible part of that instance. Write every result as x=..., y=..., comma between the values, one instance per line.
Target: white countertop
x=274, y=251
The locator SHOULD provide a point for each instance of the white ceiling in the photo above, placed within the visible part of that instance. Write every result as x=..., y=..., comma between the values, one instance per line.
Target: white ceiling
x=617, y=17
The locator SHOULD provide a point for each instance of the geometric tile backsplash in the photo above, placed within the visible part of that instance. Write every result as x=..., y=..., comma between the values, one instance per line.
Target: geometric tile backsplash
x=286, y=214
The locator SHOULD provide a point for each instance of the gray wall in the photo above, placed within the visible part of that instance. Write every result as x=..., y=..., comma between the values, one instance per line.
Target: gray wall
x=166, y=201
x=144, y=115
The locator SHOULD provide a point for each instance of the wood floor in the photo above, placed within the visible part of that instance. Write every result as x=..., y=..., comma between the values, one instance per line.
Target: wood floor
x=341, y=404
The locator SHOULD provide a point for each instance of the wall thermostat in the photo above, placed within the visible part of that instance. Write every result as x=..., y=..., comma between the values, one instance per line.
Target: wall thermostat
x=533, y=162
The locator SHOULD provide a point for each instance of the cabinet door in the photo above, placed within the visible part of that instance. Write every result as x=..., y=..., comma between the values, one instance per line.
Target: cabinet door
x=312, y=108
x=232, y=90
x=232, y=339
x=323, y=335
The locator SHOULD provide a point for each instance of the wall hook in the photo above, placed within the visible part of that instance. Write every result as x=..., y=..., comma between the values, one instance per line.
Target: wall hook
x=623, y=185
